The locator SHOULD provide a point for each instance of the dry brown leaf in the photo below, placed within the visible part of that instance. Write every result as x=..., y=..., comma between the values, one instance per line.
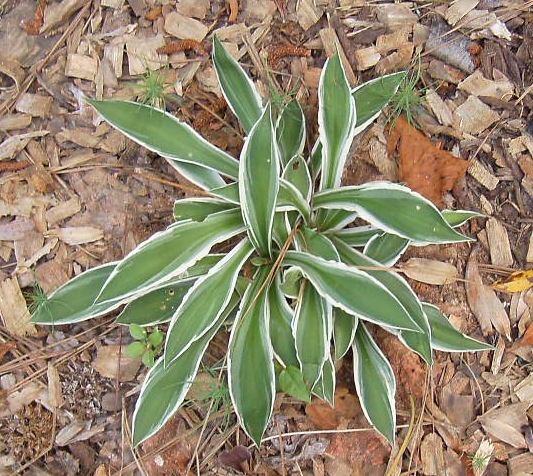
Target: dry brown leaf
x=111, y=362
x=424, y=167
x=325, y=417
x=430, y=271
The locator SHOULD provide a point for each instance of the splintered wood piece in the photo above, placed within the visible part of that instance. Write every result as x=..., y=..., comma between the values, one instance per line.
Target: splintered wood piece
x=15, y=144
x=365, y=58
x=12, y=122
x=81, y=66
x=34, y=104
x=439, y=107
x=183, y=27
x=114, y=53
x=13, y=309
x=478, y=85
x=529, y=257
x=332, y=45
x=195, y=8
x=484, y=303
x=116, y=4
x=432, y=455
x=62, y=211
x=499, y=246
x=430, y=271
x=524, y=389
x=142, y=54
x=474, y=116
x=76, y=235
x=308, y=13
x=483, y=175
x=393, y=41
x=81, y=137
x=55, y=394
x=506, y=423
x=398, y=60
x=459, y=9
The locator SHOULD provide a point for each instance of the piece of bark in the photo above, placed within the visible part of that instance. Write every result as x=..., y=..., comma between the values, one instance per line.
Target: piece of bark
x=431, y=455
x=478, y=85
x=57, y=13
x=520, y=465
x=76, y=235
x=308, y=13
x=483, y=175
x=116, y=4
x=506, y=423
x=499, y=246
x=458, y=10
x=474, y=116
x=440, y=109
x=34, y=104
x=13, y=309
x=15, y=144
x=396, y=16
x=484, y=303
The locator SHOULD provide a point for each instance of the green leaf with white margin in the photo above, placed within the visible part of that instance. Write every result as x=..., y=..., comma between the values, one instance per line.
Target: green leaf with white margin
x=335, y=219
x=446, y=338
x=251, y=377
x=290, y=131
x=160, y=304
x=291, y=381
x=459, y=217
x=165, y=388
x=375, y=383
x=297, y=172
x=357, y=236
x=281, y=315
x=204, y=178
x=290, y=199
x=371, y=97
x=310, y=329
x=228, y=192
x=205, y=302
x=353, y=290
x=336, y=119
x=395, y=209
x=74, y=301
x=386, y=248
x=419, y=342
x=259, y=182
x=325, y=385
x=238, y=89
x=344, y=327
x=199, y=208
x=161, y=132
x=316, y=243
x=169, y=253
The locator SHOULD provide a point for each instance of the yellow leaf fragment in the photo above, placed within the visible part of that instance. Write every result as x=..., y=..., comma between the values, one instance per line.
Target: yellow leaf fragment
x=515, y=283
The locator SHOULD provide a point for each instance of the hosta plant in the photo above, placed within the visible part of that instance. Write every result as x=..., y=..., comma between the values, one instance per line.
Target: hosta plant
x=309, y=271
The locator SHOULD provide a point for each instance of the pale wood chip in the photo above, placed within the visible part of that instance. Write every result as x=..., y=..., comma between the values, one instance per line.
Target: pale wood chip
x=116, y=4
x=108, y=364
x=331, y=46
x=520, y=465
x=183, y=27
x=142, y=53
x=17, y=400
x=524, y=389
x=55, y=394
x=474, y=116
x=232, y=33
x=68, y=432
x=76, y=235
x=81, y=137
x=432, y=455
x=12, y=69
x=440, y=109
x=499, y=245
x=506, y=423
x=393, y=41
x=478, y=85
x=458, y=10
x=258, y=10
x=430, y=271
x=52, y=274
x=11, y=122
x=13, y=309
x=398, y=60
x=365, y=58
x=484, y=303
x=477, y=170
x=194, y=8
x=16, y=229
x=81, y=66
x=57, y=13
x=308, y=13
x=459, y=408
x=62, y=211
x=15, y=144
x=396, y=16
x=529, y=257
x=114, y=54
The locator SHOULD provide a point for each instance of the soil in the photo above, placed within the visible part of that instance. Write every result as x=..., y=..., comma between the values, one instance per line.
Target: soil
x=74, y=194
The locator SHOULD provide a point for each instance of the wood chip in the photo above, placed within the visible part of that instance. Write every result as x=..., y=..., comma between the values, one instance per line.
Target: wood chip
x=62, y=211
x=194, y=8
x=365, y=58
x=484, y=303
x=81, y=66
x=68, y=432
x=483, y=175
x=15, y=144
x=478, y=85
x=34, y=104
x=116, y=4
x=59, y=12
x=440, y=109
x=396, y=16
x=183, y=27
x=499, y=246
x=13, y=309
x=52, y=274
x=458, y=9
x=11, y=122
x=459, y=408
x=474, y=116
x=308, y=13
x=108, y=364
x=506, y=423
x=114, y=53
x=142, y=54
x=55, y=395
x=529, y=257
x=520, y=465
x=432, y=456
x=332, y=45
x=430, y=271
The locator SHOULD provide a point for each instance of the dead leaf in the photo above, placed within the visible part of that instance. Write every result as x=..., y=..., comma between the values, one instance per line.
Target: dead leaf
x=325, y=417
x=423, y=166
x=527, y=339
x=430, y=271
x=235, y=457
x=514, y=283
x=111, y=362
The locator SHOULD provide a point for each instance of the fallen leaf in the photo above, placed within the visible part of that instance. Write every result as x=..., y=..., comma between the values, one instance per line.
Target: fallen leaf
x=430, y=271
x=424, y=167
x=527, y=339
x=514, y=283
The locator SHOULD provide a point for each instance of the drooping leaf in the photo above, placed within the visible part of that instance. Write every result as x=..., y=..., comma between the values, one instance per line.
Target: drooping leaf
x=353, y=290
x=290, y=131
x=331, y=220
x=290, y=198
x=395, y=209
x=165, y=388
x=74, y=301
x=371, y=97
x=205, y=302
x=251, y=375
x=291, y=381
x=325, y=386
x=161, y=132
x=375, y=383
x=386, y=248
x=336, y=119
x=419, y=342
x=459, y=217
x=237, y=87
x=357, y=236
x=297, y=173
x=311, y=331
x=168, y=254
x=198, y=209
x=259, y=182
x=344, y=327
x=445, y=337
x=203, y=177
x=281, y=315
